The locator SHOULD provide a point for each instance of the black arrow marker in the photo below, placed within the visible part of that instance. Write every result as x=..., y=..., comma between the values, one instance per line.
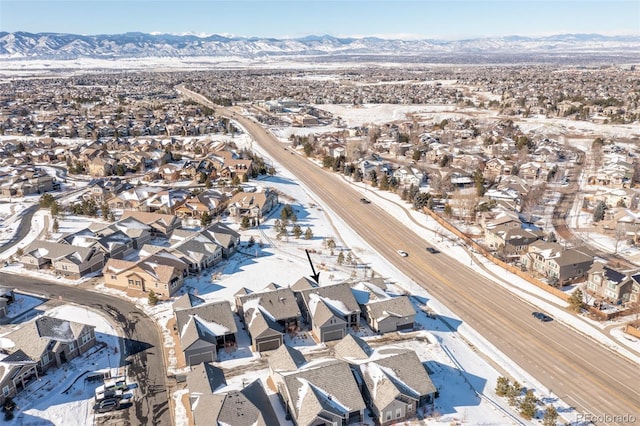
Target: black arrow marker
x=315, y=276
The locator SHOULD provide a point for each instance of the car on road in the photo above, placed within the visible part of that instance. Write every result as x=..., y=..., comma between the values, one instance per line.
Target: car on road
x=107, y=405
x=365, y=201
x=541, y=317
x=432, y=250
x=403, y=253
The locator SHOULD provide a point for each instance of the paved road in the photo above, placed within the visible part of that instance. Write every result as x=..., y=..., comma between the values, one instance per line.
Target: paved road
x=143, y=348
x=23, y=228
x=582, y=372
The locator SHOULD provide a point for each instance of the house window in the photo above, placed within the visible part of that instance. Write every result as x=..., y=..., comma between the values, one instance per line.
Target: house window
x=388, y=416
x=72, y=346
x=398, y=413
x=45, y=359
x=113, y=277
x=130, y=282
x=409, y=408
x=5, y=390
x=86, y=338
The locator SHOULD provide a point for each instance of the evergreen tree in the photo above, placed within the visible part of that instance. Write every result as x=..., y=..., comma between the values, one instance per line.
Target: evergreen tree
x=55, y=225
x=153, y=298
x=340, y=259
x=550, y=416
x=576, y=300
x=205, y=219
x=308, y=234
x=528, y=405
x=598, y=212
x=245, y=224
x=502, y=386
x=297, y=231
x=513, y=393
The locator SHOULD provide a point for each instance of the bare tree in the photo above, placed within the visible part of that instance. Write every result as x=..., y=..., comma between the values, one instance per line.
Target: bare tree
x=532, y=199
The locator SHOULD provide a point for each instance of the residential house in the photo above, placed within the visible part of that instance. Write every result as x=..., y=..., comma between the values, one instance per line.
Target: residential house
x=551, y=261
x=209, y=201
x=204, y=329
x=70, y=261
x=248, y=406
x=268, y=314
x=161, y=272
x=252, y=204
x=139, y=233
x=225, y=237
x=606, y=283
x=511, y=242
x=395, y=382
x=330, y=310
x=318, y=393
x=40, y=344
x=198, y=249
x=383, y=312
x=161, y=225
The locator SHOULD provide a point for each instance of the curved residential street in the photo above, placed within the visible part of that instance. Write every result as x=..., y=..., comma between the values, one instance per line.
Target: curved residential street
x=582, y=372
x=143, y=350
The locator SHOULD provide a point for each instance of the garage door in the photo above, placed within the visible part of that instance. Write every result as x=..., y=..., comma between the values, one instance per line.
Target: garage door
x=268, y=345
x=202, y=357
x=333, y=335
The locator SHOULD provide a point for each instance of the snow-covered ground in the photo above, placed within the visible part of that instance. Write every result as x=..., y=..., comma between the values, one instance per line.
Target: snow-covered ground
x=465, y=380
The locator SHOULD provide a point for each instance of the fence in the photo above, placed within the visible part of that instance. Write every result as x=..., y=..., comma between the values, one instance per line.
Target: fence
x=484, y=252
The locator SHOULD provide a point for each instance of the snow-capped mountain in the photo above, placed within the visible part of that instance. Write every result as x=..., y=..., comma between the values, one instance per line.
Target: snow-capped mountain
x=22, y=45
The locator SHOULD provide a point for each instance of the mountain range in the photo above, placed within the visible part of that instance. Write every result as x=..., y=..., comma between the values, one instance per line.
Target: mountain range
x=57, y=46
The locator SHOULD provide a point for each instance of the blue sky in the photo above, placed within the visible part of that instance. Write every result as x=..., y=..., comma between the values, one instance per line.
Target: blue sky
x=452, y=19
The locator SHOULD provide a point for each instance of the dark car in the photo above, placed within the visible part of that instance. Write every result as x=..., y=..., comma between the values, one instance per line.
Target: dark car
x=542, y=317
x=432, y=250
x=107, y=405
x=365, y=201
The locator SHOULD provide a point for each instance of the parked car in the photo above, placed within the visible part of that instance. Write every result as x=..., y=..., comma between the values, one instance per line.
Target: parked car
x=542, y=317
x=403, y=253
x=108, y=394
x=107, y=405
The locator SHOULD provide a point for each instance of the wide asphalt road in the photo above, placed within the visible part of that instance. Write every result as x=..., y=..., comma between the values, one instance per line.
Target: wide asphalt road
x=143, y=346
x=582, y=372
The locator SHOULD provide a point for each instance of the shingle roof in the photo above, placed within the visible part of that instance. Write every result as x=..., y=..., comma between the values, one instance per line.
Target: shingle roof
x=399, y=306
x=205, y=378
x=286, y=358
x=333, y=384
x=214, y=312
x=280, y=304
x=352, y=347
x=339, y=296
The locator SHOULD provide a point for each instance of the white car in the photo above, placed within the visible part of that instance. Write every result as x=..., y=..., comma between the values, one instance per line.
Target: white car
x=403, y=253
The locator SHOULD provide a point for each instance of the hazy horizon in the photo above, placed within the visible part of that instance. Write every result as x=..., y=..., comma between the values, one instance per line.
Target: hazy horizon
x=404, y=19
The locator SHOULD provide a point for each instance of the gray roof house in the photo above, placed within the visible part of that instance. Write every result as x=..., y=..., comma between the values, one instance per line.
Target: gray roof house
x=326, y=308
x=71, y=261
x=395, y=382
x=617, y=287
x=226, y=237
x=198, y=249
x=204, y=329
x=50, y=341
x=249, y=406
x=552, y=261
x=268, y=314
x=324, y=391
x=383, y=312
